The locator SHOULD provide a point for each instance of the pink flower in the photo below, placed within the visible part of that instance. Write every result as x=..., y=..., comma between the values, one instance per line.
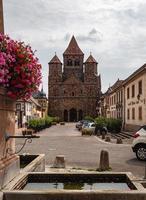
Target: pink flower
x=20, y=71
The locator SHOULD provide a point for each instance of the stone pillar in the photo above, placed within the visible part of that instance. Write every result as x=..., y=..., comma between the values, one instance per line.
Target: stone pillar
x=9, y=163
x=77, y=115
x=1, y=17
x=68, y=116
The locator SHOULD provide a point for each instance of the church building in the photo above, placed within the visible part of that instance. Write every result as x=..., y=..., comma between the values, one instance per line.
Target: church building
x=74, y=86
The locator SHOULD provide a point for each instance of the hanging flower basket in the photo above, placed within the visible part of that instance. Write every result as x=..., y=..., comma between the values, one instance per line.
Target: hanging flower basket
x=20, y=71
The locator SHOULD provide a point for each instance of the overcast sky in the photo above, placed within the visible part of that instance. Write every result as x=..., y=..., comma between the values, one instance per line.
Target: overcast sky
x=113, y=30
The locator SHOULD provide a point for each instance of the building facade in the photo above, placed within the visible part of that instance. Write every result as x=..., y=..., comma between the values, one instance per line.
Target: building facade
x=26, y=110
x=116, y=100
x=126, y=100
x=135, y=99
x=113, y=100
x=74, y=86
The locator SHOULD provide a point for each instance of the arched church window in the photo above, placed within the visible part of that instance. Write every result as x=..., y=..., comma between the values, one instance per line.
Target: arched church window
x=69, y=62
x=77, y=62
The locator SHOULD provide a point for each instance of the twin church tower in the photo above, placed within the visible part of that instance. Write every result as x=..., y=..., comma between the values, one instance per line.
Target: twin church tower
x=74, y=86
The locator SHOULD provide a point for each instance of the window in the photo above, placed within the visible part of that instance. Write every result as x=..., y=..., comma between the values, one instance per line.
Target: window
x=128, y=114
x=133, y=113
x=69, y=62
x=128, y=93
x=77, y=62
x=133, y=90
x=73, y=94
x=140, y=87
x=140, y=113
x=114, y=99
x=18, y=106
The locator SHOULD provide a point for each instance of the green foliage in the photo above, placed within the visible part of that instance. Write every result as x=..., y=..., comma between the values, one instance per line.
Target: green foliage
x=113, y=125
x=89, y=118
x=101, y=122
x=56, y=119
x=41, y=123
x=87, y=132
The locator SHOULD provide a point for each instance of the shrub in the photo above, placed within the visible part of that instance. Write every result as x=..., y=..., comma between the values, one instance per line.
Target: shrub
x=48, y=121
x=89, y=118
x=87, y=132
x=113, y=125
x=56, y=119
x=39, y=124
x=101, y=122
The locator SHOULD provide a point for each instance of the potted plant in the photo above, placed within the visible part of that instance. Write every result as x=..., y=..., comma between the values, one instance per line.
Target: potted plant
x=20, y=71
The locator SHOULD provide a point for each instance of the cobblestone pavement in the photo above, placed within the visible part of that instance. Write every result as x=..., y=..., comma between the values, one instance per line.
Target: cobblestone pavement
x=82, y=152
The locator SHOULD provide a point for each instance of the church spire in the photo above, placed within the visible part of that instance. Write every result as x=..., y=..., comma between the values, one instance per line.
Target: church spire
x=73, y=48
x=55, y=59
x=90, y=59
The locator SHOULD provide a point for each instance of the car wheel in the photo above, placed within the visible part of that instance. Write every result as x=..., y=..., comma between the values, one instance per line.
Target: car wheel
x=141, y=153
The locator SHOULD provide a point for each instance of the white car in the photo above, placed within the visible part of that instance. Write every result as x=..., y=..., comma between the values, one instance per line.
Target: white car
x=90, y=126
x=139, y=143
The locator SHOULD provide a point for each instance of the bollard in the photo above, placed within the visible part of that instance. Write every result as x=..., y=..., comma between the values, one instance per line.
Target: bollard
x=62, y=123
x=59, y=162
x=107, y=138
x=104, y=160
x=103, y=135
x=119, y=141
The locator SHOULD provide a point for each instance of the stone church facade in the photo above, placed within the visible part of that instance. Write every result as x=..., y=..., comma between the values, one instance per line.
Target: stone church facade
x=74, y=86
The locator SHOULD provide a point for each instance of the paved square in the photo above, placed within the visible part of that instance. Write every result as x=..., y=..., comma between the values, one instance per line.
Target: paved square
x=82, y=152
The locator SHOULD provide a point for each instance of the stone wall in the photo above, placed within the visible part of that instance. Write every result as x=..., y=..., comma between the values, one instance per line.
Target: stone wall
x=9, y=162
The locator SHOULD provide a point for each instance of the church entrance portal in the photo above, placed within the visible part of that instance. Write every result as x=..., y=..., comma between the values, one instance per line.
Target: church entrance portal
x=73, y=115
x=80, y=115
x=65, y=115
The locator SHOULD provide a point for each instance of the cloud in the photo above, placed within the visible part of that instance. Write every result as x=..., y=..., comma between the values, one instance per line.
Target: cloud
x=92, y=36
x=114, y=30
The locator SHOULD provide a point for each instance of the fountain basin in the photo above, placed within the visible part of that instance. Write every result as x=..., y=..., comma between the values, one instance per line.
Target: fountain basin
x=32, y=163
x=76, y=186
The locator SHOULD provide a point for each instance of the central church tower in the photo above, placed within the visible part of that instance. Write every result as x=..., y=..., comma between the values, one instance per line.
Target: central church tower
x=73, y=60
x=72, y=91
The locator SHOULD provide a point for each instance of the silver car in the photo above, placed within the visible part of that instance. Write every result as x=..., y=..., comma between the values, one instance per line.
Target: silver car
x=90, y=127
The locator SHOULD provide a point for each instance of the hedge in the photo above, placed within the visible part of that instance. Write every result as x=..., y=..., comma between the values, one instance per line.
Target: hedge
x=41, y=123
x=89, y=118
x=113, y=125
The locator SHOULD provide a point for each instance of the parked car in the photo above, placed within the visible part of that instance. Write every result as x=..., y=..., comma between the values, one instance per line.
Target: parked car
x=139, y=143
x=80, y=124
x=90, y=126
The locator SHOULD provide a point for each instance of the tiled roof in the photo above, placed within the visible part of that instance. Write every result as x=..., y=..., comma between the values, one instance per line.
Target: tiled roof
x=90, y=59
x=73, y=48
x=116, y=84
x=55, y=59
